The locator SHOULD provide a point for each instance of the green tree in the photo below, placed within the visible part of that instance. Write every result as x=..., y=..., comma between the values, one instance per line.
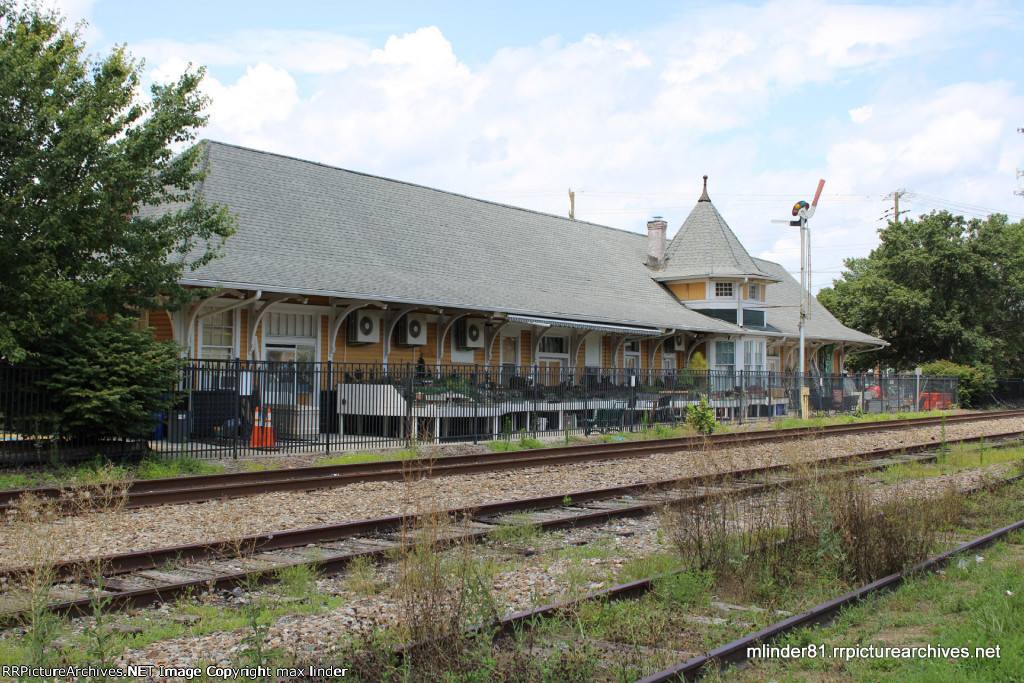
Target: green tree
x=85, y=160
x=938, y=288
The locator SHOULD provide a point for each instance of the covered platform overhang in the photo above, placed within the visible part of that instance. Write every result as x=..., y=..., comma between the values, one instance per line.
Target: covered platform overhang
x=579, y=325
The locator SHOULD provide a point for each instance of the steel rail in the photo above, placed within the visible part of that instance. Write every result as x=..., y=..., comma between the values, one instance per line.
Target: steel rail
x=486, y=514
x=736, y=651
x=151, y=559
x=199, y=488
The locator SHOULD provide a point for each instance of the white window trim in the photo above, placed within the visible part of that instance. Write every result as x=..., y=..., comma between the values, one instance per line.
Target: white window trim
x=266, y=338
x=713, y=352
x=732, y=290
x=761, y=344
x=235, y=334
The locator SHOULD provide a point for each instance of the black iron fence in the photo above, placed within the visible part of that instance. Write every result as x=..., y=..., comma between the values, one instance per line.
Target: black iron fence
x=1006, y=393
x=229, y=409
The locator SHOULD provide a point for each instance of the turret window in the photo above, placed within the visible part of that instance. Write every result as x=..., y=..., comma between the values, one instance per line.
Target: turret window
x=723, y=289
x=754, y=291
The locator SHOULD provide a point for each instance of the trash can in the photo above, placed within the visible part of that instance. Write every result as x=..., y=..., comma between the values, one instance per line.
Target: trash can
x=179, y=427
x=159, y=426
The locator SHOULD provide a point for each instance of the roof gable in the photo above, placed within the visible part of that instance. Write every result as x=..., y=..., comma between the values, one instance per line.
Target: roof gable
x=705, y=246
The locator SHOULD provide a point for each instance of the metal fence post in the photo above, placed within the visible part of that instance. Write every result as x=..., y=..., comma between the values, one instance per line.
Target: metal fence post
x=331, y=391
x=476, y=404
x=410, y=394
x=237, y=421
x=743, y=390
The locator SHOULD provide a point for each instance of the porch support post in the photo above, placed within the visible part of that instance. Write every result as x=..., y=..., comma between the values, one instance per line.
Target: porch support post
x=389, y=328
x=335, y=327
x=578, y=346
x=443, y=326
x=489, y=338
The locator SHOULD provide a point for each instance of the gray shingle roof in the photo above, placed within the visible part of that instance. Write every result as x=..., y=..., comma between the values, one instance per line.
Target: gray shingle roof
x=784, y=312
x=705, y=246
x=308, y=228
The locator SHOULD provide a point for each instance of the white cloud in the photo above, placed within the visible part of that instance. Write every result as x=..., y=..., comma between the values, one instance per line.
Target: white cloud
x=861, y=114
x=648, y=112
x=300, y=52
x=263, y=95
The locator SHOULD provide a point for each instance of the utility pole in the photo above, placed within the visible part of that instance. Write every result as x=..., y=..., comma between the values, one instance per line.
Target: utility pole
x=895, y=197
x=1020, y=190
x=572, y=204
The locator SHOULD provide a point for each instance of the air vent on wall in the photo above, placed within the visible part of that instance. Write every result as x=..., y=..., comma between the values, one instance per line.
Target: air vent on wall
x=412, y=330
x=469, y=333
x=364, y=327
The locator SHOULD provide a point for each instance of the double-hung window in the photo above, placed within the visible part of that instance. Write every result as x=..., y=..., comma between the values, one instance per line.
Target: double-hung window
x=725, y=356
x=753, y=356
x=218, y=341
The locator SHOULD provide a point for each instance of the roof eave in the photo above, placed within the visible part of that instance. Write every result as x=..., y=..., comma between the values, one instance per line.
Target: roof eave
x=430, y=303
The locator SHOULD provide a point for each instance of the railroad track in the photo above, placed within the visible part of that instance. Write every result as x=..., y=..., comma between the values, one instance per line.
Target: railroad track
x=141, y=578
x=200, y=488
x=735, y=652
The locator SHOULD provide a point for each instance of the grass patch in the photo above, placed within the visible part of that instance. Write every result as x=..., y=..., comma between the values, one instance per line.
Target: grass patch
x=102, y=471
x=156, y=467
x=822, y=421
x=955, y=460
x=515, y=528
x=972, y=606
x=524, y=443
x=369, y=456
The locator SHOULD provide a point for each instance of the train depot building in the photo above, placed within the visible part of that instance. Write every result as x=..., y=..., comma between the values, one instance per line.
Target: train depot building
x=330, y=266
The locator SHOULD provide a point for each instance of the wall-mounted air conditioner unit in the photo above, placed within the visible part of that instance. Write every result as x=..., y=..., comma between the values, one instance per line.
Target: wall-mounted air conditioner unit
x=675, y=344
x=364, y=327
x=412, y=330
x=469, y=333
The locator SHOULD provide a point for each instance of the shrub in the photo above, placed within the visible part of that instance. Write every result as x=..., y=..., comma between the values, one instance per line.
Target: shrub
x=702, y=417
x=976, y=383
x=108, y=379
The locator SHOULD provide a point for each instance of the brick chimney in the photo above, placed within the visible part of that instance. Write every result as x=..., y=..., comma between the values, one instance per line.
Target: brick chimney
x=656, y=243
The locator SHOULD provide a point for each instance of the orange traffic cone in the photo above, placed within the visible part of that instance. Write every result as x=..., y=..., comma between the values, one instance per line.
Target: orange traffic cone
x=256, y=440
x=268, y=431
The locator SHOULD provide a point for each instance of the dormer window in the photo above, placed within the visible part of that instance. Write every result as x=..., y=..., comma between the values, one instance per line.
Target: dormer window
x=723, y=289
x=754, y=291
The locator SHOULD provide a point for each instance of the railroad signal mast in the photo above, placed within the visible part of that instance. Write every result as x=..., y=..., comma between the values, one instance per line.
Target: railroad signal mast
x=803, y=212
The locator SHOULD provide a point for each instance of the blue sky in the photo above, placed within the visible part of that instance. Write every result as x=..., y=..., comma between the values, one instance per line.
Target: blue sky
x=627, y=105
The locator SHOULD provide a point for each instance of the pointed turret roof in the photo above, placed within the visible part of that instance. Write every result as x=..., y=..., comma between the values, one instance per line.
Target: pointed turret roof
x=705, y=246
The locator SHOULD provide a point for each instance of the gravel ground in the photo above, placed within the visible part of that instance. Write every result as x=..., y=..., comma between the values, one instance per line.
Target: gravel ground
x=120, y=531
x=539, y=578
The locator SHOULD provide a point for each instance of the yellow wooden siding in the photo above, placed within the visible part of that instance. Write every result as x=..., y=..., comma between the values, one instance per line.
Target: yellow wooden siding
x=243, y=331
x=689, y=291
x=160, y=321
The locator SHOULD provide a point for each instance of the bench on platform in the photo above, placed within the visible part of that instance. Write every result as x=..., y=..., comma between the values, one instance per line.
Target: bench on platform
x=605, y=420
